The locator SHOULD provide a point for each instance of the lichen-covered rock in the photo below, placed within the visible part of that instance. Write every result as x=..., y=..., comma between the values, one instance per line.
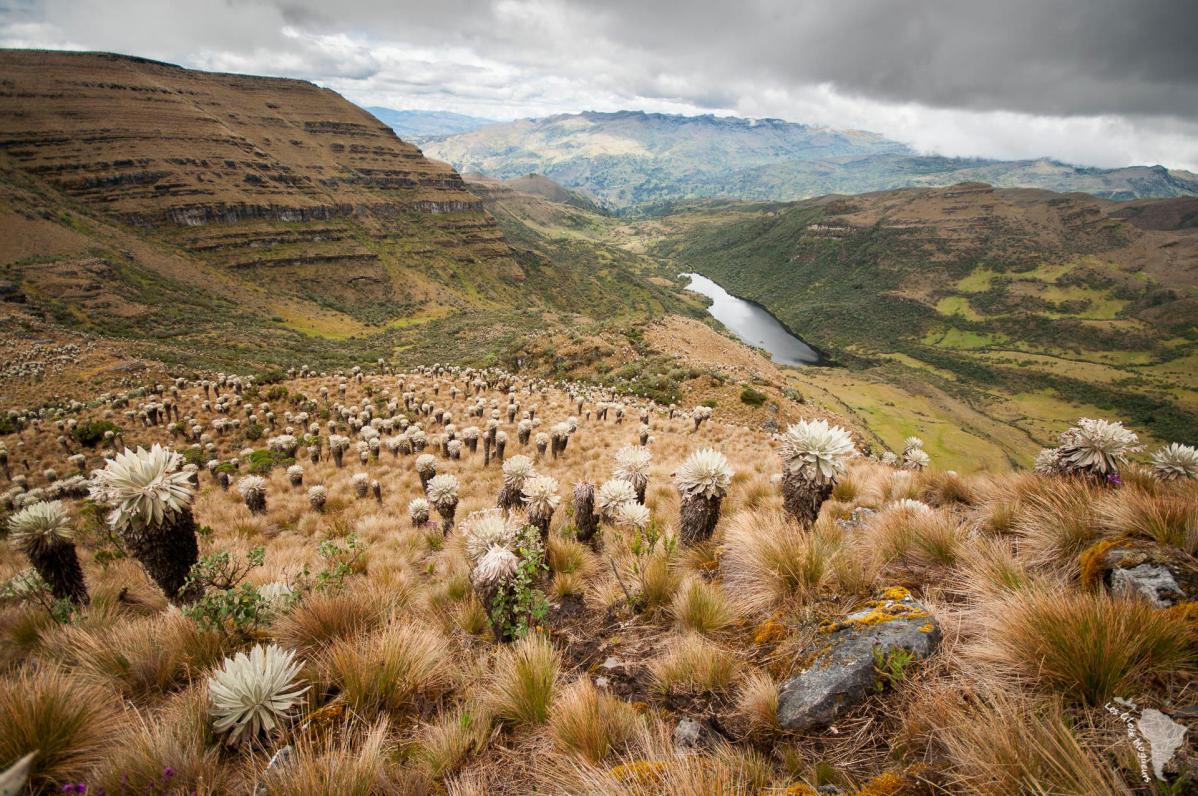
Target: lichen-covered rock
x=1138, y=568
x=856, y=656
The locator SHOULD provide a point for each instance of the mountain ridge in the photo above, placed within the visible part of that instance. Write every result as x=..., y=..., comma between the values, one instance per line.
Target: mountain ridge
x=628, y=160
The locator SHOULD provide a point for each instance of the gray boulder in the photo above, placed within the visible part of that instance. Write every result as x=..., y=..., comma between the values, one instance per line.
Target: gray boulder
x=857, y=656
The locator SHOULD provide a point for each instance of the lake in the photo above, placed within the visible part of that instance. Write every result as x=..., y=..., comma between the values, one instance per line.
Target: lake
x=753, y=324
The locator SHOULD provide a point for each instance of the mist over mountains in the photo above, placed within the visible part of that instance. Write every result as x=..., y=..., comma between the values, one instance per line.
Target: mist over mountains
x=631, y=159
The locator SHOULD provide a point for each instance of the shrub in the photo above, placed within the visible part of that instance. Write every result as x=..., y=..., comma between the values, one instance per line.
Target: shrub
x=752, y=397
x=90, y=433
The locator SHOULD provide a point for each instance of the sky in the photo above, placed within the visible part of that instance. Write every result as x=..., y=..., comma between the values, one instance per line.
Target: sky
x=1093, y=82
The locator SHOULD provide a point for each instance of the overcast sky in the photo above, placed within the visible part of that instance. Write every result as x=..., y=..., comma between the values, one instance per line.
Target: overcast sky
x=1097, y=82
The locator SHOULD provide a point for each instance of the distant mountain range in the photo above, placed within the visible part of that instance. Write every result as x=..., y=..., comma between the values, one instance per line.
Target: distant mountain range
x=631, y=159
x=417, y=125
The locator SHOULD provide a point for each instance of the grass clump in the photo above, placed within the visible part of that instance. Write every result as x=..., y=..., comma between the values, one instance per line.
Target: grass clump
x=591, y=723
x=524, y=681
x=1088, y=647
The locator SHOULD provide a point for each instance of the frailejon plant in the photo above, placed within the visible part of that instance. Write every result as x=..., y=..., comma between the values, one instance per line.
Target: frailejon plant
x=442, y=493
x=149, y=500
x=1095, y=449
x=516, y=605
x=516, y=471
x=632, y=465
x=612, y=494
x=814, y=455
x=252, y=695
x=1175, y=462
x=426, y=468
x=317, y=495
x=585, y=519
x=541, y=500
x=418, y=509
x=43, y=533
x=702, y=481
x=253, y=492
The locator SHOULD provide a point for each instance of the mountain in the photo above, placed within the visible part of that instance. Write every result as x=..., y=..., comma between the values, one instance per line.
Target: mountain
x=417, y=125
x=235, y=221
x=1019, y=306
x=631, y=159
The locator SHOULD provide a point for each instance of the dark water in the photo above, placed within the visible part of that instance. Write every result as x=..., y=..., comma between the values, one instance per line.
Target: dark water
x=752, y=323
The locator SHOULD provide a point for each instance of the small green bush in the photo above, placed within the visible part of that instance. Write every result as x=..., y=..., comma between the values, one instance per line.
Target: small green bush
x=752, y=397
x=91, y=433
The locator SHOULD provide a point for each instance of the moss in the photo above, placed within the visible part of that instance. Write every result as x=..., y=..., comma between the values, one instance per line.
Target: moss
x=1187, y=612
x=771, y=631
x=889, y=783
x=800, y=789
x=640, y=772
x=1092, y=563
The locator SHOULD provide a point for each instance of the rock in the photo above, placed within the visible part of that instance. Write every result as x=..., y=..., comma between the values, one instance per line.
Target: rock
x=691, y=735
x=1160, y=574
x=892, y=632
x=1152, y=582
x=855, y=520
x=1165, y=737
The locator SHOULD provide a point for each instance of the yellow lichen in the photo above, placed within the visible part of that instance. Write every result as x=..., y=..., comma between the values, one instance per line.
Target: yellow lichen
x=927, y=627
x=1185, y=611
x=880, y=611
x=896, y=593
x=640, y=772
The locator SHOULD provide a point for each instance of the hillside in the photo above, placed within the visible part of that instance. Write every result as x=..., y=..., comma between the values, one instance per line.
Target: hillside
x=237, y=221
x=633, y=160
x=1019, y=307
x=417, y=125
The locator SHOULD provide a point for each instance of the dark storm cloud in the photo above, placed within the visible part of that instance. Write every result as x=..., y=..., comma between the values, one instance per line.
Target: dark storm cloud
x=1091, y=81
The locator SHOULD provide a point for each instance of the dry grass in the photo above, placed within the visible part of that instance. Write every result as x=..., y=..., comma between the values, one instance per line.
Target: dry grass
x=386, y=672
x=701, y=607
x=693, y=662
x=1000, y=742
x=590, y=723
x=1087, y=647
x=768, y=559
x=70, y=723
x=1168, y=518
x=1057, y=522
x=524, y=682
x=324, y=618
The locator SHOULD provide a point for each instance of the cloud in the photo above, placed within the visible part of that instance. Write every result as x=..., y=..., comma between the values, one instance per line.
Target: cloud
x=1100, y=82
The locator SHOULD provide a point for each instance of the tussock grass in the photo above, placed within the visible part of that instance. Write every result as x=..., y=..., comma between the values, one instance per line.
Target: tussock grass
x=323, y=618
x=702, y=607
x=178, y=738
x=1002, y=742
x=1168, y=518
x=757, y=705
x=1057, y=522
x=140, y=657
x=444, y=744
x=693, y=662
x=352, y=761
x=525, y=681
x=590, y=723
x=70, y=722
x=386, y=672
x=768, y=559
x=1087, y=647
